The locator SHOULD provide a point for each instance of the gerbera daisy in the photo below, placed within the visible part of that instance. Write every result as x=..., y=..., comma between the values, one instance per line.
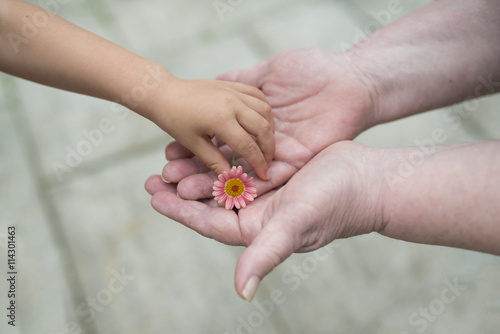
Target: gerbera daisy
x=234, y=187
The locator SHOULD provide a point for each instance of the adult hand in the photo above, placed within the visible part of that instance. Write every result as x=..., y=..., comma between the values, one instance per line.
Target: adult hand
x=318, y=98
x=334, y=196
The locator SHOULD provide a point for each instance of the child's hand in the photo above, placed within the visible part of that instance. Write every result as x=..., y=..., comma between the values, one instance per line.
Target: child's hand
x=194, y=111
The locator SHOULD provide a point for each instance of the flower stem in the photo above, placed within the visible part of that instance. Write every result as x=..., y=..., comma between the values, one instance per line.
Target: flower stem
x=234, y=158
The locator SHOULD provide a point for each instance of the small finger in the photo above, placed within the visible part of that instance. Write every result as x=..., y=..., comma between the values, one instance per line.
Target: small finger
x=210, y=155
x=248, y=90
x=240, y=141
x=176, y=170
x=263, y=109
x=259, y=127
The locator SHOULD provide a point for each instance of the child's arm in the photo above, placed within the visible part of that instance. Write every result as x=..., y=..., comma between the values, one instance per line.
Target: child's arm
x=39, y=46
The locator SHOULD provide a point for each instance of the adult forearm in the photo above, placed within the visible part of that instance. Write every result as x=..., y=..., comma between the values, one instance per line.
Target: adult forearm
x=440, y=55
x=39, y=46
x=448, y=197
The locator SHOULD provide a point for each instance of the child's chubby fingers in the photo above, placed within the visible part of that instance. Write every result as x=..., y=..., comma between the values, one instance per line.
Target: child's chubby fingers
x=248, y=90
x=208, y=153
x=262, y=108
x=238, y=139
x=179, y=169
x=259, y=127
x=175, y=151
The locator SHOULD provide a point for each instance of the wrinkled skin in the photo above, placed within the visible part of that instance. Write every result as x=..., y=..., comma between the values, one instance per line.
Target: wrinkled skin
x=318, y=99
x=333, y=196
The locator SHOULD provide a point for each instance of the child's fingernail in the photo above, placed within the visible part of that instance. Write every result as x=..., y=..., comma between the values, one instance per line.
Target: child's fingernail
x=250, y=288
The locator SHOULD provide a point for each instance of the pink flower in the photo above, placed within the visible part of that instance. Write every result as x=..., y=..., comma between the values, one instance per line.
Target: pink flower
x=235, y=188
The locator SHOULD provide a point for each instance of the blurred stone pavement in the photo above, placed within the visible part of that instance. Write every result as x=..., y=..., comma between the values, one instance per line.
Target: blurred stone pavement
x=95, y=258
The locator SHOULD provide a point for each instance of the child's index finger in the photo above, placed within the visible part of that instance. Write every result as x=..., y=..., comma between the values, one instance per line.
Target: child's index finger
x=251, y=152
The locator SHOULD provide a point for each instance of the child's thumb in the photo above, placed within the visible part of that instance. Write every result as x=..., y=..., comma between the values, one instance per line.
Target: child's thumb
x=271, y=247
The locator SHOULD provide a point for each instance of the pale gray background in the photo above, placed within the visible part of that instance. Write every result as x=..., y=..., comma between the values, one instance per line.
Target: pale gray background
x=72, y=235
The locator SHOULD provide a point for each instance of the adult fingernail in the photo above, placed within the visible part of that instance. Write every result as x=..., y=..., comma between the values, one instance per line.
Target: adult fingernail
x=250, y=288
x=268, y=175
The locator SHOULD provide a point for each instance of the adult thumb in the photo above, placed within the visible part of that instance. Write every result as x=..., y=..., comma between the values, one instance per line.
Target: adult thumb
x=271, y=247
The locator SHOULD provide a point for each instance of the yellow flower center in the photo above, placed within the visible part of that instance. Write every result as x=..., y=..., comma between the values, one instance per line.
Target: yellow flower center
x=234, y=188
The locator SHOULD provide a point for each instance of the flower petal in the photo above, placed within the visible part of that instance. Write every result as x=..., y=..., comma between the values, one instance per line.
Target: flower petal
x=251, y=190
x=221, y=198
x=237, y=203
x=229, y=203
x=219, y=184
x=248, y=197
x=220, y=192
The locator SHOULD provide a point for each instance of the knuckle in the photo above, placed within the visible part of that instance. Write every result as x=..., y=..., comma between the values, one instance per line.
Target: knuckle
x=266, y=127
x=216, y=170
x=229, y=99
x=268, y=111
x=249, y=149
x=214, y=166
x=251, y=89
